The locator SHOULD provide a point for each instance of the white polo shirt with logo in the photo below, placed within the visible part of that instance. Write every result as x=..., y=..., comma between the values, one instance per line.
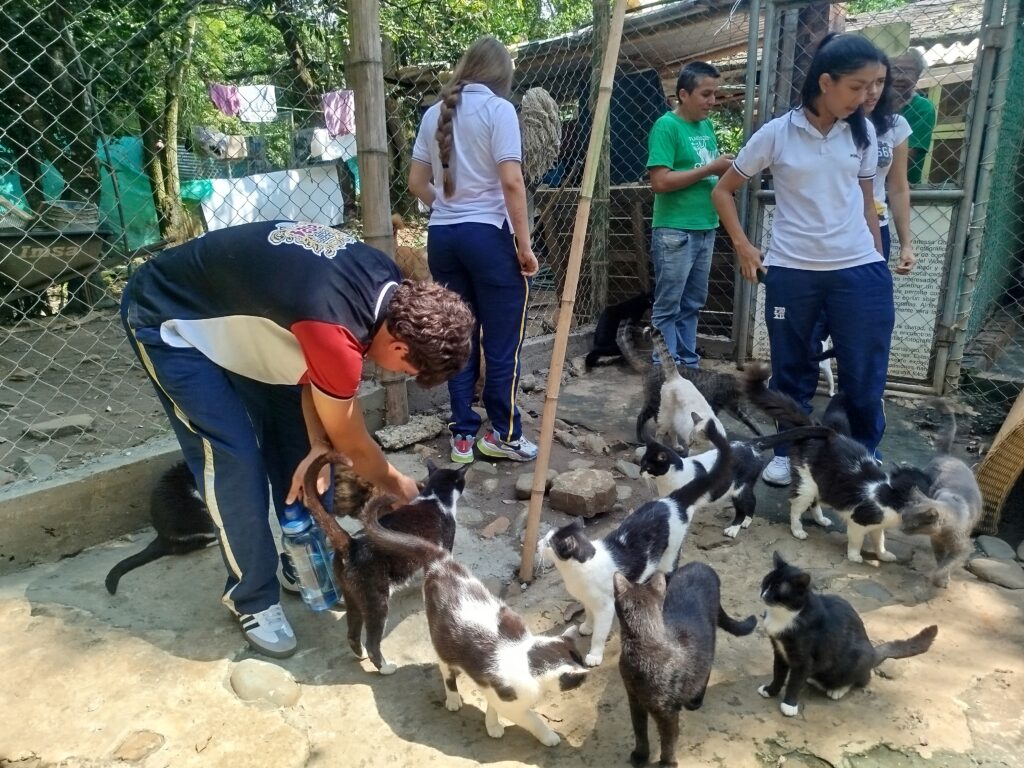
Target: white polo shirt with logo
x=485, y=133
x=819, y=207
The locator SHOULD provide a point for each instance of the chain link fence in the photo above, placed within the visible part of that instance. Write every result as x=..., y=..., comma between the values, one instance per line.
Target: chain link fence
x=124, y=129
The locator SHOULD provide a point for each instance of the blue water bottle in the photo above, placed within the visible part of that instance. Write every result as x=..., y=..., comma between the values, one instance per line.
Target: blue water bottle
x=309, y=553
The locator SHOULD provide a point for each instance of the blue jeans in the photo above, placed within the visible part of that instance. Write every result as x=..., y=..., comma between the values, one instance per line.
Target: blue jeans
x=682, y=265
x=857, y=305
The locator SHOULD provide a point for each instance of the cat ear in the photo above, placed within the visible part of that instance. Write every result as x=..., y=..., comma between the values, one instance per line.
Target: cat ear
x=620, y=582
x=461, y=471
x=695, y=416
x=432, y=467
x=777, y=560
x=659, y=583
x=803, y=580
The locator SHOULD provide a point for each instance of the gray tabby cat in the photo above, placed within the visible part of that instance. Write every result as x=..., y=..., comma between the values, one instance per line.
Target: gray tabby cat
x=951, y=508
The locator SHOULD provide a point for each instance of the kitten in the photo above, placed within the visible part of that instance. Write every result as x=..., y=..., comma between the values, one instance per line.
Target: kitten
x=180, y=518
x=367, y=577
x=668, y=645
x=679, y=399
x=608, y=323
x=646, y=541
x=837, y=471
x=721, y=390
x=669, y=470
x=950, y=509
x=820, y=639
x=474, y=632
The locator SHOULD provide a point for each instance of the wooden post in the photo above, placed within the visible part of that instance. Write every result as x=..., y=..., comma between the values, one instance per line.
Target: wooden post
x=547, y=428
x=367, y=64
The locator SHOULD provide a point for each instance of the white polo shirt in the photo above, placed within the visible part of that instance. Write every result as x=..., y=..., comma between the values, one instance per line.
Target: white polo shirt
x=485, y=133
x=819, y=207
x=898, y=133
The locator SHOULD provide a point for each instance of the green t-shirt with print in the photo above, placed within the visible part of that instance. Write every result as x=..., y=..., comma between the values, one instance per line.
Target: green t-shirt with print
x=680, y=145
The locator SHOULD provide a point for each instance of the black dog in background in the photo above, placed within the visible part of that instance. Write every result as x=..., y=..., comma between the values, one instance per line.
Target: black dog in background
x=608, y=322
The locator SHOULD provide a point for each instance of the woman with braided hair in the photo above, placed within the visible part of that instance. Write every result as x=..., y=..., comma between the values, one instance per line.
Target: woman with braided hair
x=467, y=168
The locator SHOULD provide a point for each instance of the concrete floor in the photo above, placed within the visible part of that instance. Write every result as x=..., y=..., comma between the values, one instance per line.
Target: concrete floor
x=95, y=680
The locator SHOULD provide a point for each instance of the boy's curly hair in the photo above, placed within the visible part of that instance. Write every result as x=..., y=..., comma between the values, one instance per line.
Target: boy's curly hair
x=438, y=327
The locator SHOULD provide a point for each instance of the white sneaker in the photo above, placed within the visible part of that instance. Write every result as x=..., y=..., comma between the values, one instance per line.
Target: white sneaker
x=777, y=472
x=269, y=632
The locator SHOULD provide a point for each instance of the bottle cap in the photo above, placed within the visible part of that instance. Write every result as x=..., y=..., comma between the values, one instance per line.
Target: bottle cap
x=292, y=527
x=295, y=511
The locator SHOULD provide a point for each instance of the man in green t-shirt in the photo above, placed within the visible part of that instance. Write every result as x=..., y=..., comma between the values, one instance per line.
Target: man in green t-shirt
x=684, y=164
x=919, y=112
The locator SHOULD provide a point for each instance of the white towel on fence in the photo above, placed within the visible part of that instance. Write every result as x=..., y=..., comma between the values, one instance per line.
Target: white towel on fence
x=301, y=194
x=326, y=148
x=257, y=103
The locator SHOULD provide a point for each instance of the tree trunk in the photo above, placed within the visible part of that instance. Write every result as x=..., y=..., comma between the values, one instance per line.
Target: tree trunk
x=304, y=79
x=149, y=124
x=599, y=211
x=173, y=213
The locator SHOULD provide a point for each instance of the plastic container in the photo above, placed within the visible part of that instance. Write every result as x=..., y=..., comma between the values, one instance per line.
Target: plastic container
x=304, y=542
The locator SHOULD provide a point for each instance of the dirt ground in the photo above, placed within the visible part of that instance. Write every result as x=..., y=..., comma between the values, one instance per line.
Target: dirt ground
x=95, y=680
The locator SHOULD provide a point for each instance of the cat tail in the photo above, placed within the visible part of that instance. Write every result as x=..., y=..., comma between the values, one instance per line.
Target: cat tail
x=782, y=408
x=624, y=338
x=824, y=355
x=945, y=436
x=795, y=435
x=837, y=415
x=734, y=627
x=691, y=492
x=404, y=545
x=901, y=649
x=668, y=363
x=340, y=539
x=156, y=549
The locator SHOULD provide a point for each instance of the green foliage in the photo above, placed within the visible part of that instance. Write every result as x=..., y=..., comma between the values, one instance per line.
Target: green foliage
x=728, y=124
x=873, y=6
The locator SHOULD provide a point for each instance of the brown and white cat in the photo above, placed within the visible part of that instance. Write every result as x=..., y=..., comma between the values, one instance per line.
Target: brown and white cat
x=950, y=509
x=476, y=633
x=366, y=576
x=668, y=645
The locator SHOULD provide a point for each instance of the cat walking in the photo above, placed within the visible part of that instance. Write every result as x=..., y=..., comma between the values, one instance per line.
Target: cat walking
x=820, y=639
x=668, y=646
x=647, y=541
x=366, y=576
x=474, y=632
x=180, y=518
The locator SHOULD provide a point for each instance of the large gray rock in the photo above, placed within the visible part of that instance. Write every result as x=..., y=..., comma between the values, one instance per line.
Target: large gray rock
x=60, y=427
x=584, y=492
x=596, y=444
x=995, y=548
x=629, y=469
x=419, y=427
x=1002, y=572
x=1020, y=551
x=524, y=484
x=255, y=680
x=568, y=439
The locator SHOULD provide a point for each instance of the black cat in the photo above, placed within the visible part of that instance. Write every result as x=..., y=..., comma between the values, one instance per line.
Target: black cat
x=820, y=639
x=605, y=343
x=366, y=576
x=668, y=645
x=180, y=518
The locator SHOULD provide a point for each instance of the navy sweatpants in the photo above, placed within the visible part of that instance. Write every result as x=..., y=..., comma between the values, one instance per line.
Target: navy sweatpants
x=237, y=435
x=478, y=262
x=857, y=305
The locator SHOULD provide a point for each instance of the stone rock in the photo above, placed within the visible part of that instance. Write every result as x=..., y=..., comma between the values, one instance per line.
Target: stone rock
x=596, y=444
x=60, y=427
x=583, y=492
x=490, y=485
x=563, y=425
x=255, y=680
x=424, y=451
x=630, y=470
x=484, y=467
x=1020, y=551
x=496, y=527
x=23, y=374
x=7, y=477
x=138, y=746
x=524, y=484
x=568, y=439
x=871, y=589
x=529, y=383
x=419, y=428
x=468, y=515
x=996, y=548
x=1005, y=573
x=38, y=465
x=580, y=464
x=623, y=492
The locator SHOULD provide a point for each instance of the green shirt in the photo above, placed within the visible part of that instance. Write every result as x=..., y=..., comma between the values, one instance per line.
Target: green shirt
x=920, y=113
x=679, y=145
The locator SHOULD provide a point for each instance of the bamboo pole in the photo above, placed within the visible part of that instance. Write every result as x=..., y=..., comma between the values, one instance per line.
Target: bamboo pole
x=367, y=65
x=568, y=299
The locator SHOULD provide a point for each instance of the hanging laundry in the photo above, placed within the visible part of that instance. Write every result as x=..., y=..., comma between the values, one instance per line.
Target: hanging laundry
x=219, y=145
x=225, y=98
x=257, y=103
x=340, y=112
x=324, y=147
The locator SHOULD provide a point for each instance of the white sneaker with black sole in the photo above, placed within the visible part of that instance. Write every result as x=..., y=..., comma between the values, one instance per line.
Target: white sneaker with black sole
x=269, y=632
x=777, y=472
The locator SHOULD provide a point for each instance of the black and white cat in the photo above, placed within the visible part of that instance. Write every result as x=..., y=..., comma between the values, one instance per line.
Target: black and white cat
x=607, y=328
x=720, y=390
x=366, y=576
x=474, y=632
x=949, y=510
x=180, y=518
x=669, y=470
x=668, y=645
x=837, y=471
x=648, y=540
x=820, y=639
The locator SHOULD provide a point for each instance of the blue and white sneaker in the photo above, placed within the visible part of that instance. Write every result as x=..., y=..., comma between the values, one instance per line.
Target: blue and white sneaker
x=269, y=632
x=493, y=446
